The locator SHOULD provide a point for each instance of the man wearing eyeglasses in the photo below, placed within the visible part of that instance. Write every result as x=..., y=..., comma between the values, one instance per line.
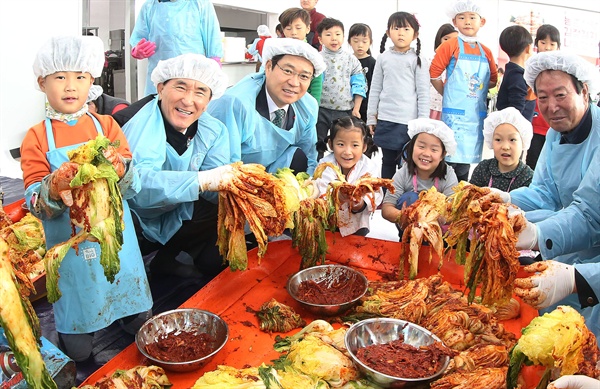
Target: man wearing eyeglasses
x=270, y=117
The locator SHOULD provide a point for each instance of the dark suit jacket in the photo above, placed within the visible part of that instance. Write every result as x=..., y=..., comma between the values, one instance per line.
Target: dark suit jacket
x=263, y=109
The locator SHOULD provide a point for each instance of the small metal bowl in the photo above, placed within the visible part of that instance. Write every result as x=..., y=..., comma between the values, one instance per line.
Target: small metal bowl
x=385, y=330
x=326, y=272
x=183, y=319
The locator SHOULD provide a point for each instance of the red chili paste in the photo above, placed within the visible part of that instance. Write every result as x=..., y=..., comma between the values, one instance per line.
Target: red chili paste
x=399, y=359
x=332, y=289
x=181, y=346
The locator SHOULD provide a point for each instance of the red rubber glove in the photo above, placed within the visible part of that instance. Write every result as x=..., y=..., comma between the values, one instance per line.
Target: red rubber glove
x=143, y=49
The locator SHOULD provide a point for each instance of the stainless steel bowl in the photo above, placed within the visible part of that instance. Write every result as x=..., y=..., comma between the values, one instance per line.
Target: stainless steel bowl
x=183, y=319
x=384, y=330
x=326, y=272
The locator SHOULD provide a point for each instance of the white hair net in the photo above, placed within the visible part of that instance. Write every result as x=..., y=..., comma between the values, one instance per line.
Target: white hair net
x=461, y=6
x=195, y=67
x=95, y=92
x=263, y=30
x=434, y=127
x=568, y=63
x=289, y=46
x=70, y=54
x=511, y=116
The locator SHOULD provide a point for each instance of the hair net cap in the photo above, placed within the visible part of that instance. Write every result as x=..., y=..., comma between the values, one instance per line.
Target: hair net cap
x=95, y=92
x=511, y=116
x=195, y=67
x=263, y=30
x=70, y=54
x=568, y=63
x=436, y=128
x=289, y=46
x=461, y=6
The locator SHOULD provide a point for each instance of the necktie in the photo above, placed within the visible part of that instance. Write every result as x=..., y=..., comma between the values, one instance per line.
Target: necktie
x=278, y=119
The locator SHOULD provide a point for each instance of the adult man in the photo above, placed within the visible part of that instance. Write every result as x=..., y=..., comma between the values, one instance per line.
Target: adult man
x=172, y=139
x=315, y=19
x=562, y=199
x=270, y=117
x=167, y=28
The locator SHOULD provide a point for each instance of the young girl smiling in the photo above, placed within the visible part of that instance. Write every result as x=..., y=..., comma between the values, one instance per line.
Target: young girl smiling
x=348, y=139
x=431, y=140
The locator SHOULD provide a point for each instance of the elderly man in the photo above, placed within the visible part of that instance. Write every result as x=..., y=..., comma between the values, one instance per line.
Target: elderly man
x=563, y=198
x=270, y=117
x=174, y=143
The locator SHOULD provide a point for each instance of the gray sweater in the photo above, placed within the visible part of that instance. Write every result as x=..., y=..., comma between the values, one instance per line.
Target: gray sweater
x=399, y=89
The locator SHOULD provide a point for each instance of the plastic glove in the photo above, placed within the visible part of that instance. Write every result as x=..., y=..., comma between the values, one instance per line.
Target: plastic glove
x=528, y=238
x=504, y=196
x=215, y=179
x=60, y=180
x=314, y=188
x=143, y=49
x=552, y=282
x=116, y=159
x=217, y=60
x=575, y=382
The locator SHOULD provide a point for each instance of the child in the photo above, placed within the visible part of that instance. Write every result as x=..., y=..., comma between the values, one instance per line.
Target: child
x=431, y=141
x=470, y=71
x=315, y=19
x=256, y=47
x=547, y=38
x=344, y=84
x=295, y=23
x=444, y=33
x=508, y=133
x=399, y=90
x=516, y=42
x=65, y=68
x=360, y=38
x=348, y=141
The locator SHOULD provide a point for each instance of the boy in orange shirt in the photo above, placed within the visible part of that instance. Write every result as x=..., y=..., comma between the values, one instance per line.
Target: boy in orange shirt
x=470, y=71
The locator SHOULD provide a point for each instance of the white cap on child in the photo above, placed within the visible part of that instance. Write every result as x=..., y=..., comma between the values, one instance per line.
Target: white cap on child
x=568, y=63
x=289, y=46
x=194, y=67
x=95, y=92
x=461, y=6
x=70, y=54
x=434, y=127
x=510, y=116
x=263, y=30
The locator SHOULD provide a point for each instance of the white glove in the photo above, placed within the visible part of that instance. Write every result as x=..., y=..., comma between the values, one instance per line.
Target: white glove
x=215, y=179
x=552, y=282
x=575, y=382
x=504, y=196
x=314, y=191
x=528, y=238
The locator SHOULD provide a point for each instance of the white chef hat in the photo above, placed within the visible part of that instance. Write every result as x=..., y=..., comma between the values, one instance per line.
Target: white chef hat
x=461, y=6
x=195, y=67
x=434, y=127
x=289, y=46
x=263, y=30
x=95, y=92
x=70, y=54
x=568, y=63
x=511, y=116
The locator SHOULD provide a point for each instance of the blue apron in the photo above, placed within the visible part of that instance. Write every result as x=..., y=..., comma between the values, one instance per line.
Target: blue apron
x=89, y=302
x=464, y=104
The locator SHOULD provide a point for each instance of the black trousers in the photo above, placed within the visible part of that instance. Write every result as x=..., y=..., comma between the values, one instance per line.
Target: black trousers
x=196, y=237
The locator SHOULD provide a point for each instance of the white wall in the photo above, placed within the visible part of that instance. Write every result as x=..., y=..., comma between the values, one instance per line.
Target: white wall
x=24, y=27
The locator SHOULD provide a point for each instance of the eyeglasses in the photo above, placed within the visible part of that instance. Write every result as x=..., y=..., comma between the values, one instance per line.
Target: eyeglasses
x=303, y=77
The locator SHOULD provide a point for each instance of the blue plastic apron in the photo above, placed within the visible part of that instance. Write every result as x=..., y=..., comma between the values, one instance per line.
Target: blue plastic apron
x=464, y=104
x=89, y=302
